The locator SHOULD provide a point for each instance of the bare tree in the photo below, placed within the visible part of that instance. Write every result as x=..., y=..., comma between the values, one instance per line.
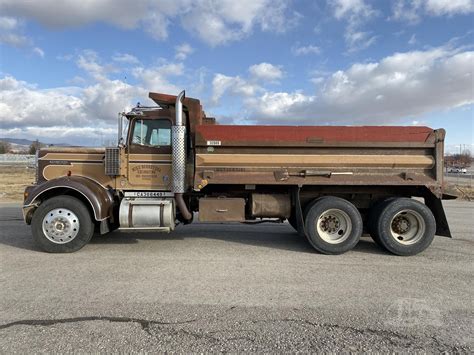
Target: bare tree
x=463, y=159
x=5, y=147
x=34, y=147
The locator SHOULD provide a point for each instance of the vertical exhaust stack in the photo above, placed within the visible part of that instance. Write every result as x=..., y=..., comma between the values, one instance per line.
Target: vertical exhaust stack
x=178, y=138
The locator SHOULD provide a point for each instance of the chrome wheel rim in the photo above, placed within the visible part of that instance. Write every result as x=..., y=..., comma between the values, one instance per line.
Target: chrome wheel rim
x=334, y=226
x=60, y=225
x=407, y=227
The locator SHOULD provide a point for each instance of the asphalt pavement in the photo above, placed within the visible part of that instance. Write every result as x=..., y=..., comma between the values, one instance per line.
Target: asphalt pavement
x=234, y=288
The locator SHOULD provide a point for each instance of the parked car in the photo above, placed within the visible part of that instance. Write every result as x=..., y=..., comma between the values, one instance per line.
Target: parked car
x=457, y=170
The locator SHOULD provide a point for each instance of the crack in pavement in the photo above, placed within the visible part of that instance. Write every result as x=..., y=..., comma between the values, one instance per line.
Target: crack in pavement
x=144, y=323
x=386, y=334
x=245, y=334
x=381, y=332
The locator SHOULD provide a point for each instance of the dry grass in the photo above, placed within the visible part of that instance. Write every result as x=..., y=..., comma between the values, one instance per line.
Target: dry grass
x=13, y=180
x=464, y=192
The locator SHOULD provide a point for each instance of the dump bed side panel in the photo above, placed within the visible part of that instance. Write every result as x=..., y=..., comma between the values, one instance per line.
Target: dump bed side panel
x=342, y=155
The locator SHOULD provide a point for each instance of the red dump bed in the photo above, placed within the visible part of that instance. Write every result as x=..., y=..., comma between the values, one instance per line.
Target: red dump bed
x=367, y=155
x=310, y=134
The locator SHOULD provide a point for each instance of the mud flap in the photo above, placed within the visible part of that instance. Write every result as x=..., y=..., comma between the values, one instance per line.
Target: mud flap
x=435, y=205
x=299, y=211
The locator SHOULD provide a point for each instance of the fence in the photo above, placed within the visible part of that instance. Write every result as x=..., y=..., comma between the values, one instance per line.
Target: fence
x=17, y=159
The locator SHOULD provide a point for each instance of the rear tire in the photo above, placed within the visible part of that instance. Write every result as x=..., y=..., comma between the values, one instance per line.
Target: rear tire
x=404, y=226
x=373, y=216
x=62, y=224
x=333, y=225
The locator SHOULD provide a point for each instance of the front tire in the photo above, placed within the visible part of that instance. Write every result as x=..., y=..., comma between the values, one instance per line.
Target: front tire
x=404, y=227
x=62, y=224
x=333, y=225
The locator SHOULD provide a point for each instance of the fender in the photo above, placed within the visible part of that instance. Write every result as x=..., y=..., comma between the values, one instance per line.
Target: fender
x=100, y=200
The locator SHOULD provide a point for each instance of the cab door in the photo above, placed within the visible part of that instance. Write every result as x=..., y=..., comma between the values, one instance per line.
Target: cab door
x=149, y=154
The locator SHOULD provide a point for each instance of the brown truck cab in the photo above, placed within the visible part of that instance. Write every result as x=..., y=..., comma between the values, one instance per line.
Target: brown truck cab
x=332, y=183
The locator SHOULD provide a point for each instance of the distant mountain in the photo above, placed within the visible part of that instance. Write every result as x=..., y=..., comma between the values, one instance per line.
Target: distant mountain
x=28, y=142
x=17, y=141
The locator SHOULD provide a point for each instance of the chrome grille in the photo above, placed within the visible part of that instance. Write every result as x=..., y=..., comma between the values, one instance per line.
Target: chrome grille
x=112, y=161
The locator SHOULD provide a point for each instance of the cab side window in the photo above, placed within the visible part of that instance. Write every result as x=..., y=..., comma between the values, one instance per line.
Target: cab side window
x=151, y=133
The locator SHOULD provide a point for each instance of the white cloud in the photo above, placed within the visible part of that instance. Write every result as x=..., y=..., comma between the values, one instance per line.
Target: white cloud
x=412, y=41
x=26, y=110
x=218, y=22
x=304, y=50
x=24, y=104
x=356, y=13
x=14, y=39
x=74, y=112
x=282, y=104
x=71, y=13
x=214, y=22
x=10, y=32
x=406, y=11
x=183, y=50
x=449, y=7
x=265, y=72
x=248, y=88
x=411, y=11
x=90, y=62
x=38, y=51
x=104, y=99
x=235, y=85
x=358, y=40
x=353, y=10
x=399, y=86
x=157, y=78
x=8, y=23
x=125, y=58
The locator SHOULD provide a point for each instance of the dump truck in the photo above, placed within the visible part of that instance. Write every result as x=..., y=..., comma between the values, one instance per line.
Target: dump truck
x=331, y=183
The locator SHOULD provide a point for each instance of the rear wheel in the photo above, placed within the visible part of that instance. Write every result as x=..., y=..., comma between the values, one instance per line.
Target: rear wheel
x=62, y=224
x=404, y=226
x=333, y=225
x=373, y=216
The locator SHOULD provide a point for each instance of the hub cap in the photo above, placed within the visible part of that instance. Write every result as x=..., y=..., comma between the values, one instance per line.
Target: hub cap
x=60, y=226
x=407, y=227
x=334, y=226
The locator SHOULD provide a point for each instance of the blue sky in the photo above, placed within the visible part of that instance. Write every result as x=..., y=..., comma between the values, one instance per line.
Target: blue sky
x=67, y=68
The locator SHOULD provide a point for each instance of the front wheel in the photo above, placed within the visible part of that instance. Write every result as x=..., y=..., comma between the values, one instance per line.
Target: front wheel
x=333, y=225
x=62, y=224
x=404, y=226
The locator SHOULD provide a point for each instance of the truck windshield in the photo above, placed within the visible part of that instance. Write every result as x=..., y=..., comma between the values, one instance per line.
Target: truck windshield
x=152, y=132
